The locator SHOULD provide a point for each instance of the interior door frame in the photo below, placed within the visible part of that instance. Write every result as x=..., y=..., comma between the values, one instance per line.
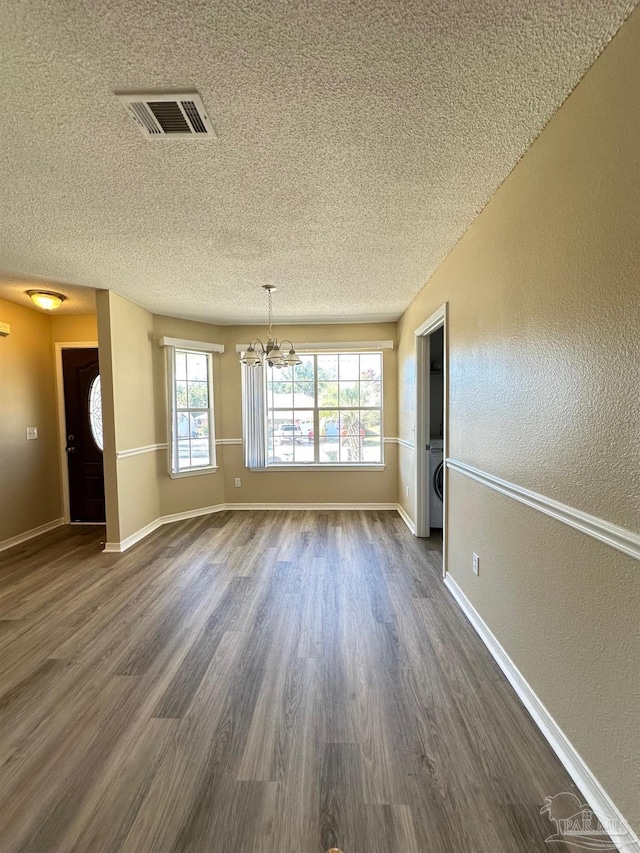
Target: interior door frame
x=423, y=390
x=62, y=422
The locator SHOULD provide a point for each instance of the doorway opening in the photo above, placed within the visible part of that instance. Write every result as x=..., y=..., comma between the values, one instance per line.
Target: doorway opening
x=431, y=428
x=80, y=428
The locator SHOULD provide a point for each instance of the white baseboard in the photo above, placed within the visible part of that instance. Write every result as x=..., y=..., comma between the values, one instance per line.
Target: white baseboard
x=30, y=534
x=313, y=506
x=405, y=517
x=125, y=544
x=589, y=786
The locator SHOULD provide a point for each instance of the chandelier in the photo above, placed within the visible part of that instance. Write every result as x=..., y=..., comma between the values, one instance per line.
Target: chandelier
x=272, y=352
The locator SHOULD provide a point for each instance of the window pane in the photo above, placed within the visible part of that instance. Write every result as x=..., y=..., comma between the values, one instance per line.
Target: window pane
x=346, y=433
x=303, y=452
x=181, y=365
x=350, y=449
x=304, y=370
x=349, y=394
x=371, y=365
x=197, y=366
x=329, y=438
x=327, y=393
x=283, y=450
x=95, y=411
x=303, y=444
x=281, y=395
x=372, y=449
x=181, y=395
x=184, y=456
x=183, y=424
x=199, y=425
x=327, y=367
x=349, y=366
x=191, y=445
x=370, y=393
x=303, y=394
x=200, y=452
x=329, y=423
x=370, y=422
x=350, y=436
x=198, y=395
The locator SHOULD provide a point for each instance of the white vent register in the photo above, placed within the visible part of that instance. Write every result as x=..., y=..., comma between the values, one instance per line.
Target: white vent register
x=162, y=114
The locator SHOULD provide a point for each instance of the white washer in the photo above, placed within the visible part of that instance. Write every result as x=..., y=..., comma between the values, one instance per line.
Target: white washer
x=436, y=478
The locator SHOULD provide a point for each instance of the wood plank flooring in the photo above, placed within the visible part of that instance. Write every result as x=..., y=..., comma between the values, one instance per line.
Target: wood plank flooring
x=256, y=682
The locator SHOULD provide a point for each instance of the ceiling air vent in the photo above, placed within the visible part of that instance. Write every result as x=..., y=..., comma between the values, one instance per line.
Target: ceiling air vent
x=159, y=115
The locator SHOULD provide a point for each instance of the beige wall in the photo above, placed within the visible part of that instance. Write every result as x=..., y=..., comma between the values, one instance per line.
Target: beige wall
x=103, y=308
x=183, y=494
x=126, y=366
x=74, y=328
x=31, y=489
x=544, y=316
x=311, y=486
x=136, y=392
x=30, y=480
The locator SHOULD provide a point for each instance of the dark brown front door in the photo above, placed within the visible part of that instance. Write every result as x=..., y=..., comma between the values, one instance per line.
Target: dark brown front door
x=83, y=414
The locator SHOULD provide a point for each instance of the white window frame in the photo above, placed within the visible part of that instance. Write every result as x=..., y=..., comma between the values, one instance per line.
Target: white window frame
x=175, y=471
x=255, y=402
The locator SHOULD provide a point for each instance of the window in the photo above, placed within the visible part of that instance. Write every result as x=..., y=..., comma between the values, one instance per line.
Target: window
x=191, y=391
x=95, y=412
x=327, y=410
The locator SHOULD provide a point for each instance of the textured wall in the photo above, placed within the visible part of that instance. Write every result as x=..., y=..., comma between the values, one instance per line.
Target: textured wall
x=186, y=493
x=103, y=310
x=30, y=478
x=126, y=365
x=269, y=487
x=312, y=486
x=129, y=340
x=544, y=313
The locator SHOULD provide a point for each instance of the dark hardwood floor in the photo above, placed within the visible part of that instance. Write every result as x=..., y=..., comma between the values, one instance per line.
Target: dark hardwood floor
x=268, y=682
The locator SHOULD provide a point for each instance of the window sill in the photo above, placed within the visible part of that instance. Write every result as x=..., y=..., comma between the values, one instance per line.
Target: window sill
x=211, y=469
x=321, y=467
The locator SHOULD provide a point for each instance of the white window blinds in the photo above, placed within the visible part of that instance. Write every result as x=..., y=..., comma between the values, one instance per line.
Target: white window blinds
x=253, y=417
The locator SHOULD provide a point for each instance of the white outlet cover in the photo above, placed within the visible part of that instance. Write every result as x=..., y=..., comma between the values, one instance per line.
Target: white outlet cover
x=32, y=433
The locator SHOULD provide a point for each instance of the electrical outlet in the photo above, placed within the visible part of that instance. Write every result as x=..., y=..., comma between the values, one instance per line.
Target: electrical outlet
x=238, y=482
x=476, y=564
x=32, y=432
x=406, y=492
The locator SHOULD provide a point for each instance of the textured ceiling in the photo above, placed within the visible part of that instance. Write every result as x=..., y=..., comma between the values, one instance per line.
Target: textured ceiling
x=355, y=142
x=79, y=300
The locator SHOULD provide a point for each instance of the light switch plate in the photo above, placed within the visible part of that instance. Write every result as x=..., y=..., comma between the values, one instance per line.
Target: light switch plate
x=5, y=329
x=32, y=433
x=476, y=564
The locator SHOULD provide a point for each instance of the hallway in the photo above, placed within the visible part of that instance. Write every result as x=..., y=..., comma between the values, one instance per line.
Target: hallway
x=261, y=682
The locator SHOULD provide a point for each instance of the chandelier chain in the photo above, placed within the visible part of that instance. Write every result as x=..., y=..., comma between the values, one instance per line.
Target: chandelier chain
x=257, y=352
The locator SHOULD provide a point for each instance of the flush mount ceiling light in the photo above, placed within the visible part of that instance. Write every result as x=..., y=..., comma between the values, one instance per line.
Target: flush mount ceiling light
x=46, y=299
x=272, y=352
